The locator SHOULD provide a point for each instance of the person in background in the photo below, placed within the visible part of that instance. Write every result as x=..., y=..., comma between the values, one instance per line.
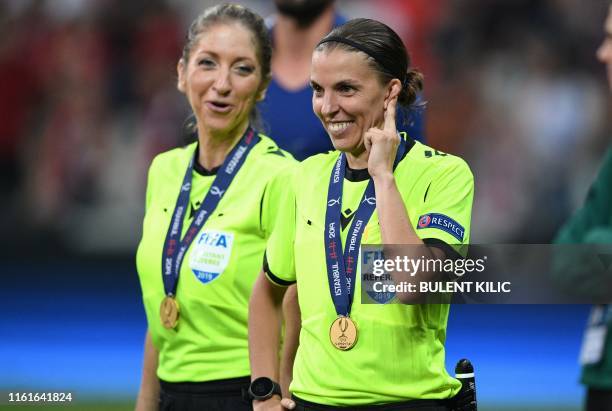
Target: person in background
x=592, y=224
x=295, y=30
x=208, y=215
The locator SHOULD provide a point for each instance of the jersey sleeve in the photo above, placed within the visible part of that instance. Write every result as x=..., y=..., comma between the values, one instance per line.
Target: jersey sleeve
x=279, y=260
x=574, y=268
x=445, y=216
x=590, y=224
x=273, y=199
x=151, y=178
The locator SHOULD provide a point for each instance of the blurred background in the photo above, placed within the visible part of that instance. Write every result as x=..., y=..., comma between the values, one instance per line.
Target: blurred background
x=88, y=97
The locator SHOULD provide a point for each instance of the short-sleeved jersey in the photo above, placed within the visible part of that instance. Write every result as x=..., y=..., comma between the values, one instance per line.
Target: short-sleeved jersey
x=399, y=355
x=219, y=268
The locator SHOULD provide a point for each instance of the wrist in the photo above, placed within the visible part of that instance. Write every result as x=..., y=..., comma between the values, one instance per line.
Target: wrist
x=269, y=404
x=272, y=400
x=384, y=179
x=263, y=389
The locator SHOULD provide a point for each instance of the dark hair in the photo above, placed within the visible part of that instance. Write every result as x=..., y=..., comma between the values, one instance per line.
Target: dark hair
x=232, y=13
x=385, y=52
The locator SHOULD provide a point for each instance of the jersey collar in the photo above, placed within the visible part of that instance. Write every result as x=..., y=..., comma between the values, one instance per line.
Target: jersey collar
x=361, y=174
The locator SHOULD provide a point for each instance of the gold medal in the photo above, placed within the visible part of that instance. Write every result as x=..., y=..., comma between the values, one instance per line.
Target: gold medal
x=169, y=312
x=343, y=333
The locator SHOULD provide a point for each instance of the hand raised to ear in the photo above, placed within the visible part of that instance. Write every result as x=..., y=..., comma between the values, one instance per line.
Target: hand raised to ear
x=381, y=144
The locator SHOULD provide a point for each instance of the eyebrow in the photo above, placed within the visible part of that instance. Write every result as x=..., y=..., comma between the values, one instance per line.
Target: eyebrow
x=349, y=82
x=216, y=55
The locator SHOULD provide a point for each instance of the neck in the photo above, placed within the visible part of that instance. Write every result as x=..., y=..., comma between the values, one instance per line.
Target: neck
x=215, y=146
x=357, y=159
x=292, y=40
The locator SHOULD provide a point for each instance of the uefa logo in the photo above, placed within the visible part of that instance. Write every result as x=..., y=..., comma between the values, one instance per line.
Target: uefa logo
x=424, y=221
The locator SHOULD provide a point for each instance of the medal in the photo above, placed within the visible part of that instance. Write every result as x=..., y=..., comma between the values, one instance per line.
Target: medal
x=343, y=333
x=342, y=261
x=169, y=312
x=176, y=247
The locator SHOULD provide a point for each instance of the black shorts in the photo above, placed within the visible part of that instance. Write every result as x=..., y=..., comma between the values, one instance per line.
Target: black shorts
x=416, y=405
x=219, y=395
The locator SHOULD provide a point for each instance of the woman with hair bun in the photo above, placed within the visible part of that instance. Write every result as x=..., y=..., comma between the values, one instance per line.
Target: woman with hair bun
x=378, y=187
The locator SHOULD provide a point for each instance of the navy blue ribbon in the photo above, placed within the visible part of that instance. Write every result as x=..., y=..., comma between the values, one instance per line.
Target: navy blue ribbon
x=175, y=247
x=342, y=264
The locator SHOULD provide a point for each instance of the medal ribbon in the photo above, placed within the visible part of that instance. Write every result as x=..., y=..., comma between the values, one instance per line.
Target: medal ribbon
x=175, y=247
x=342, y=264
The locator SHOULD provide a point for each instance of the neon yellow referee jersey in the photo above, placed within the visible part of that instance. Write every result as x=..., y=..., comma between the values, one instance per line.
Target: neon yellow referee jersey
x=399, y=355
x=219, y=268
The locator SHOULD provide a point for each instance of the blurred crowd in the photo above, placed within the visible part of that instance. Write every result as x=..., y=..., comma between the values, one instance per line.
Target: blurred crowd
x=88, y=97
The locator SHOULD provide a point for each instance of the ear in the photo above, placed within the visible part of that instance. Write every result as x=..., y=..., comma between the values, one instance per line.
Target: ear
x=261, y=93
x=393, y=91
x=180, y=71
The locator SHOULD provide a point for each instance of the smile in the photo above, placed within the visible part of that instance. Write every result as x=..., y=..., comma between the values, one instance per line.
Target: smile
x=338, y=127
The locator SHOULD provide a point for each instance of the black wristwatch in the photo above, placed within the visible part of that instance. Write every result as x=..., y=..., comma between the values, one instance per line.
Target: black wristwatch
x=263, y=388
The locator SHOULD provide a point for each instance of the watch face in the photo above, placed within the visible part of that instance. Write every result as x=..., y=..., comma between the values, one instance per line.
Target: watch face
x=262, y=386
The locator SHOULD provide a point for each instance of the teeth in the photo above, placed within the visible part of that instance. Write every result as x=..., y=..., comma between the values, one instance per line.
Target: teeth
x=338, y=127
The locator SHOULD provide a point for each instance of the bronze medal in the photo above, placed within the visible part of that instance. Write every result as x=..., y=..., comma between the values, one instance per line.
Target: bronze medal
x=169, y=312
x=343, y=333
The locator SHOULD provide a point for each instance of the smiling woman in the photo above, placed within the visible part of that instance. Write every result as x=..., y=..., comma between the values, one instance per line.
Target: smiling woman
x=374, y=189
x=209, y=212
x=345, y=89
x=223, y=75
x=222, y=80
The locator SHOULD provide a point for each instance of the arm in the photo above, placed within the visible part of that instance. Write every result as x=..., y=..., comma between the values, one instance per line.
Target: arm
x=148, y=395
x=396, y=230
x=577, y=268
x=266, y=302
x=264, y=335
x=293, y=324
x=395, y=227
x=395, y=224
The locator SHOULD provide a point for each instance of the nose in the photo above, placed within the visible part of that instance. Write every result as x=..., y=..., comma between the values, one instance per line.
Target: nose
x=223, y=84
x=329, y=105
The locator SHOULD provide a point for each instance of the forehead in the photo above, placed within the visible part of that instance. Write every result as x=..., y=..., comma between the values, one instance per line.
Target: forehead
x=228, y=39
x=329, y=67
x=608, y=24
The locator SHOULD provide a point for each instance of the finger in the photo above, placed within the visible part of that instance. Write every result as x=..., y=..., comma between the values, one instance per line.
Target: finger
x=375, y=133
x=367, y=141
x=390, y=115
x=287, y=403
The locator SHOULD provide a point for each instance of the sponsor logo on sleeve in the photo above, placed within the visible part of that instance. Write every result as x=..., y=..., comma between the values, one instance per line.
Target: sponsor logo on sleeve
x=441, y=222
